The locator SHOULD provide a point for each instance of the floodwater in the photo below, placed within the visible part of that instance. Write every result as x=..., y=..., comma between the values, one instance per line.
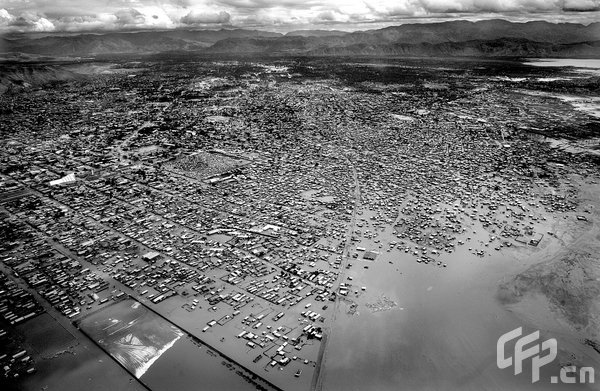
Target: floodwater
x=161, y=355
x=188, y=366
x=586, y=104
x=67, y=364
x=134, y=336
x=586, y=65
x=442, y=334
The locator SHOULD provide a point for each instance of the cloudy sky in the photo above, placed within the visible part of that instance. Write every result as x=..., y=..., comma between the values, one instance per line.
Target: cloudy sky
x=275, y=15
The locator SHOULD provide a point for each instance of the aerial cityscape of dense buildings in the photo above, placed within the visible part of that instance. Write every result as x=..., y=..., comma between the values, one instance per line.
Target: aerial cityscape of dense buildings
x=253, y=215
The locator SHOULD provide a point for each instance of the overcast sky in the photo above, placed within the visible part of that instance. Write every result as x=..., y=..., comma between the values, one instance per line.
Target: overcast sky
x=276, y=15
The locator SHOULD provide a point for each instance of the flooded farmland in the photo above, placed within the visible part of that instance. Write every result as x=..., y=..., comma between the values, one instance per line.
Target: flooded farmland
x=159, y=354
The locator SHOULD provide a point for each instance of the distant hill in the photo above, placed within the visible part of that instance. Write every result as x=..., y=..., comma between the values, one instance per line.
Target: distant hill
x=490, y=38
x=124, y=42
x=460, y=31
x=287, y=44
x=316, y=33
x=504, y=47
x=13, y=76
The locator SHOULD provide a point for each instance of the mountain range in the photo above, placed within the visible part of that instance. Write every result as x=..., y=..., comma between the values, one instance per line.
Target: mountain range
x=490, y=38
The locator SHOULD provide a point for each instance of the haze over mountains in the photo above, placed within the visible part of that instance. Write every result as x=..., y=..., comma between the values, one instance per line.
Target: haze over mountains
x=490, y=38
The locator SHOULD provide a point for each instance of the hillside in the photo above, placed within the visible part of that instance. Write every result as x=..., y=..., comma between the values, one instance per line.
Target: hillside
x=494, y=38
x=124, y=42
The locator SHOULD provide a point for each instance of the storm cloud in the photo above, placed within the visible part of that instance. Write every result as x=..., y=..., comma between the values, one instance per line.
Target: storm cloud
x=85, y=15
x=198, y=18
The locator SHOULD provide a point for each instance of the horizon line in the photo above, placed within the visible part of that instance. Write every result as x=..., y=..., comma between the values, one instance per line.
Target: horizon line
x=269, y=29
